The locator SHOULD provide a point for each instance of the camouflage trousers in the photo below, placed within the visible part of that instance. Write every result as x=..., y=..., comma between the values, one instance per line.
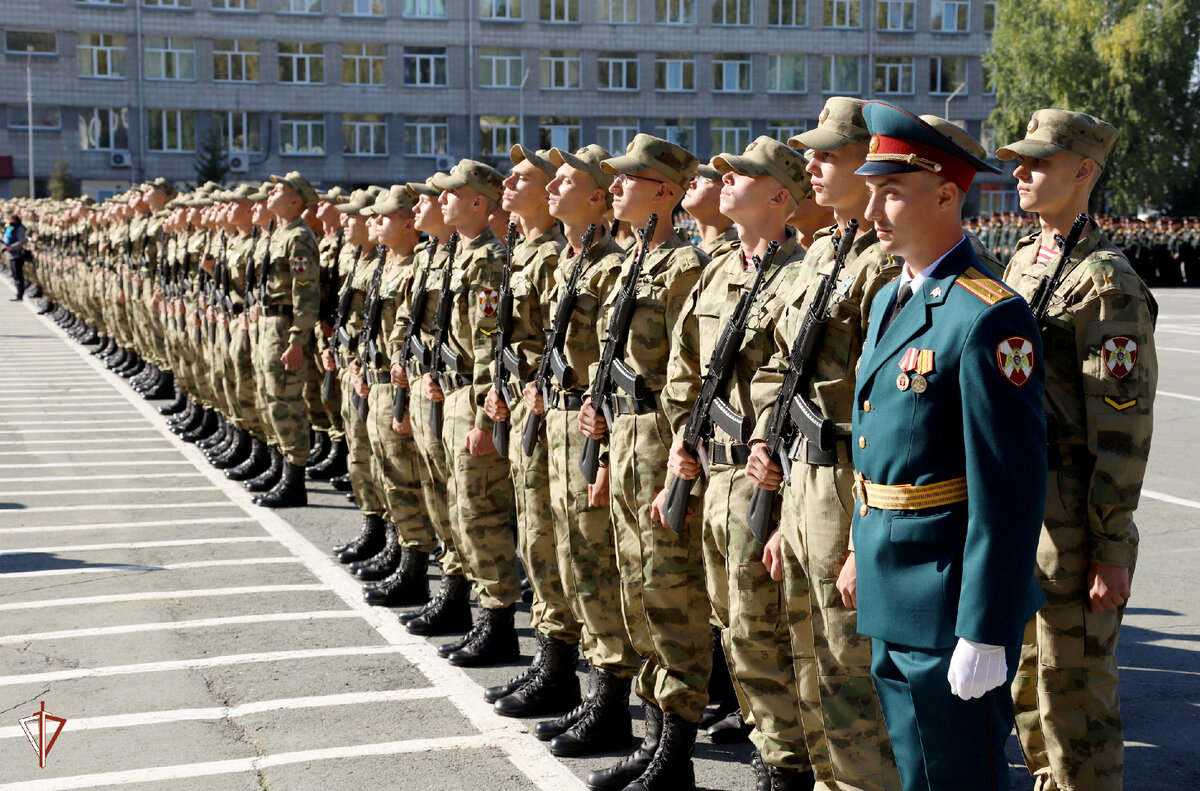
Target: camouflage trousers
x=367, y=492
x=435, y=475
x=396, y=466
x=481, y=507
x=847, y=738
x=283, y=389
x=242, y=376
x=318, y=410
x=664, y=602
x=587, y=554
x=748, y=607
x=260, y=384
x=537, y=542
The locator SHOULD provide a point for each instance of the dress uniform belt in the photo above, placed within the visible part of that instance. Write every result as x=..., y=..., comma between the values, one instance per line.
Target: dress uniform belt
x=276, y=310
x=628, y=405
x=810, y=453
x=907, y=497
x=733, y=454
x=570, y=400
x=1060, y=456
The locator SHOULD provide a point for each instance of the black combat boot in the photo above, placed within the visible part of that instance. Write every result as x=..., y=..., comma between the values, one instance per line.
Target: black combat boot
x=207, y=427
x=289, y=492
x=383, y=563
x=408, y=585
x=134, y=366
x=367, y=543
x=444, y=651
x=142, y=380
x=103, y=348
x=493, y=694
x=450, y=611
x=342, y=484
x=671, y=768
x=176, y=406
x=631, y=766
x=218, y=437
x=332, y=466
x=116, y=358
x=604, y=726
x=548, y=729
x=255, y=464
x=494, y=643
x=555, y=686
x=219, y=451
x=187, y=420
x=776, y=778
x=164, y=388
x=731, y=730
x=317, y=450
x=722, y=700
x=267, y=480
x=237, y=451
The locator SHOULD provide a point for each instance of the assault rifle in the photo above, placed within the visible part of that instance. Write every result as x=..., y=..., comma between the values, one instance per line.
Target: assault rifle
x=368, y=351
x=506, y=364
x=613, y=371
x=1040, y=304
x=411, y=343
x=794, y=413
x=710, y=407
x=340, y=338
x=329, y=307
x=441, y=329
x=214, y=297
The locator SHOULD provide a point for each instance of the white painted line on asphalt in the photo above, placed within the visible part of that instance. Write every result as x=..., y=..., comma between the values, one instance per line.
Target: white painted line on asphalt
x=240, y=710
x=63, y=401
x=196, y=593
x=140, y=476
x=73, y=413
x=233, y=520
x=67, y=444
x=60, y=492
x=106, y=451
x=183, y=542
x=111, y=567
x=44, y=509
x=1178, y=395
x=1176, y=349
x=227, y=660
x=1161, y=670
x=160, y=774
x=89, y=465
x=38, y=430
x=1167, y=498
x=1176, y=330
x=166, y=626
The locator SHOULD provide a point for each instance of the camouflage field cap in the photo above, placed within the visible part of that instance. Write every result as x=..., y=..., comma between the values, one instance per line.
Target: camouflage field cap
x=300, y=185
x=264, y=190
x=540, y=159
x=426, y=187
x=359, y=200
x=587, y=159
x=396, y=198
x=708, y=170
x=333, y=195
x=482, y=178
x=161, y=183
x=1051, y=132
x=647, y=152
x=241, y=192
x=766, y=156
x=839, y=124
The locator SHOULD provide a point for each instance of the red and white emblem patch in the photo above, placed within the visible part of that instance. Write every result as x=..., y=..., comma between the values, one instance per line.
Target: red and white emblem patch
x=1120, y=355
x=489, y=301
x=1015, y=357
x=299, y=264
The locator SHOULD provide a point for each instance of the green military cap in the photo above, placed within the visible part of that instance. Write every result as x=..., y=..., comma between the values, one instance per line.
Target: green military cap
x=374, y=190
x=589, y=159
x=647, y=152
x=300, y=185
x=333, y=195
x=87, y=200
x=426, y=187
x=706, y=170
x=264, y=190
x=484, y=179
x=1051, y=132
x=904, y=143
x=766, y=156
x=161, y=183
x=241, y=192
x=395, y=199
x=359, y=200
x=839, y=124
x=540, y=159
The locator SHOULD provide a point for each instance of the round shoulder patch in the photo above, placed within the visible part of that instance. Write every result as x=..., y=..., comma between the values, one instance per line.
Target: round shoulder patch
x=1015, y=357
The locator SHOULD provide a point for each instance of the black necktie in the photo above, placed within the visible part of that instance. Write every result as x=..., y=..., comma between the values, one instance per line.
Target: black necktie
x=902, y=297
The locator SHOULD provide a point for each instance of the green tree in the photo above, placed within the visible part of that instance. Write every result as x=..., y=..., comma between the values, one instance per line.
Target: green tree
x=211, y=164
x=1130, y=62
x=62, y=183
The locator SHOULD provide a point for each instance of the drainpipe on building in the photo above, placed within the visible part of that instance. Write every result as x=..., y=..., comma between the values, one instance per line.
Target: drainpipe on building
x=29, y=110
x=138, y=161
x=471, y=125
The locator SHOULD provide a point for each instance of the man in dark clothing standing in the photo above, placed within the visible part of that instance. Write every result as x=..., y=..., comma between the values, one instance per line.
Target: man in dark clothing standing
x=14, y=246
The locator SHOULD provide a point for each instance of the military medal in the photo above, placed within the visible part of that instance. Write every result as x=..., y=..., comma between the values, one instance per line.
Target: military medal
x=902, y=381
x=919, y=384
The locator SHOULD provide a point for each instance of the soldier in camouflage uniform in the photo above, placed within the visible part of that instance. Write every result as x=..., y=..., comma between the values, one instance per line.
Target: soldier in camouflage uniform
x=703, y=202
x=326, y=457
x=762, y=188
x=1101, y=375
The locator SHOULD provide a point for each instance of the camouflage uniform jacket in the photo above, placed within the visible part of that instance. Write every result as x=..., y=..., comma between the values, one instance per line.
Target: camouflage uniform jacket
x=239, y=256
x=534, y=264
x=433, y=286
x=472, y=336
x=600, y=276
x=395, y=292
x=721, y=244
x=294, y=277
x=370, y=259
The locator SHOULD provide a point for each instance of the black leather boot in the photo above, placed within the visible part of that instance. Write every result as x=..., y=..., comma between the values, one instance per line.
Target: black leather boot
x=493, y=694
x=341, y=483
x=776, y=778
x=450, y=612
x=176, y=406
x=671, y=768
x=408, y=585
x=289, y=492
x=267, y=480
x=255, y=464
x=731, y=730
x=555, y=686
x=722, y=700
x=116, y=358
x=164, y=388
x=218, y=437
x=631, y=766
x=332, y=465
x=318, y=447
x=383, y=563
x=494, y=643
x=208, y=426
x=187, y=418
x=236, y=452
x=444, y=651
x=367, y=543
x=604, y=726
x=548, y=729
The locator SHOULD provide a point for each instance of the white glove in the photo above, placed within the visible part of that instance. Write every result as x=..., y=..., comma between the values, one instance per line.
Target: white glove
x=976, y=668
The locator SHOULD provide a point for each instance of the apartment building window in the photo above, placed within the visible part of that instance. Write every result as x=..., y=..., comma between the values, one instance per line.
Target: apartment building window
x=784, y=130
x=731, y=73
x=171, y=131
x=301, y=133
x=621, y=12
x=560, y=11
x=618, y=71
x=615, y=134
x=426, y=136
x=498, y=134
x=241, y=132
x=173, y=4
x=103, y=128
x=234, y=5
x=298, y=6
x=560, y=69
x=302, y=62
x=170, y=58
x=45, y=117
x=989, y=16
x=893, y=75
x=840, y=74
x=842, y=14
x=17, y=42
x=946, y=74
x=363, y=8
x=500, y=10
x=100, y=2
x=675, y=12
x=425, y=9
x=425, y=67
x=949, y=16
x=562, y=133
x=675, y=72
x=101, y=55
x=679, y=131
x=731, y=12
x=500, y=68
x=896, y=16
x=787, y=13
x=728, y=135
x=364, y=135
x=363, y=64
x=787, y=73
x=235, y=60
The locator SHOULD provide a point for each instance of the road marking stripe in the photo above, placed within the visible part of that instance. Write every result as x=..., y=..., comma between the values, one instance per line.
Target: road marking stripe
x=1184, y=396
x=166, y=626
x=182, y=542
x=195, y=593
x=60, y=492
x=65, y=401
x=138, y=419
x=74, y=413
x=44, y=509
x=71, y=443
x=141, y=476
x=97, y=452
x=1167, y=498
x=91, y=464
x=105, y=568
x=226, y=520
x=1177, y=349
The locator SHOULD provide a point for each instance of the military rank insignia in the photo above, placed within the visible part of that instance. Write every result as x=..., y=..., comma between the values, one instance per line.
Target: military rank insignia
x=1120, y=355
x=1015, y=357
x=489, y=301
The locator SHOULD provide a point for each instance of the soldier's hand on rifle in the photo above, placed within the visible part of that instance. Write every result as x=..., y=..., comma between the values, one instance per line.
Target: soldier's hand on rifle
x=772, y=556
x=495, y=408
x=532, y=396
x=210, y=314
x=252, y=314
x=479, y=442
x=225, y=320
x=847, y=582
x=360, y=385
x=402, y=427
x=762, y=469
x=291, y=358
x=591, y=422
x=680, y=462
x=399, y=375
x=598, y=491
x=658, y=510
x=327, y=360
x=433, y=391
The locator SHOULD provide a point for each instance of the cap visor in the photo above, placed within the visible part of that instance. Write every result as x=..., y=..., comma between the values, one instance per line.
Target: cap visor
x=887, y=169
x=624, y=164
x=1038, y=149
x=726, y=163
x=821, y=140
x=447, y=182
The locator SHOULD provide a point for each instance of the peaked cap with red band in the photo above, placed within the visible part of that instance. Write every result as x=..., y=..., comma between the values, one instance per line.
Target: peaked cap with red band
x=903, y=143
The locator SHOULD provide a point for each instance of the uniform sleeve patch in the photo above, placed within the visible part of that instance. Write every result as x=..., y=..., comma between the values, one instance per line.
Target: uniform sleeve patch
x=1120, y=406
x=489, y=301
x=1015, y=358
x=299, y=264
x=1120, y=355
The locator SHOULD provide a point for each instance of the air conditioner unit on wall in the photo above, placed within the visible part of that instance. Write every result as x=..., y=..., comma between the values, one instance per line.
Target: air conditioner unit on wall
x=239, y=163
x=443, y=162
x=120, y=159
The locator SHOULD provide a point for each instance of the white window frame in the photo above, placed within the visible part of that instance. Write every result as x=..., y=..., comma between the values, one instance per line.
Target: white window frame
x=940, y=10
x=775, y=63
x=310, y=54
x=617, y=12
x=784, y=130
x=732, y=13
x=426, y=136
x=614, y=134
x=732, y=68
x=778, y=10
x=168, y=5
x=560, y=69
x=312, y=127
x=500, y=10
x=171, y=123
x=233, y=56
x=679, y=131
x=312, y=7
x=90, y=128
x=674, y=71
x=498, y=134
x=619, y=69
x=424, y=9
x=896, y=16
x=728, y=135
x=170, y=57
x=895, y=68
x=842, y=14
x=426, y=59
x=994, y=8
x=565, y=134
x=493, y=61
x=559, y=12
x=101, y=3
x=375, y=9
x=22, y=51
x=235, y=7
x=675, y=12
x=936, y=73
x=108, y=49
x=829, y=65
x=250, y=126
x=370, y=128
x=363, y=61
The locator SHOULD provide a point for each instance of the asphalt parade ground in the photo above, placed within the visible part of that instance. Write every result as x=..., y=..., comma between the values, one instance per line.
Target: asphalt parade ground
x=192, y=640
